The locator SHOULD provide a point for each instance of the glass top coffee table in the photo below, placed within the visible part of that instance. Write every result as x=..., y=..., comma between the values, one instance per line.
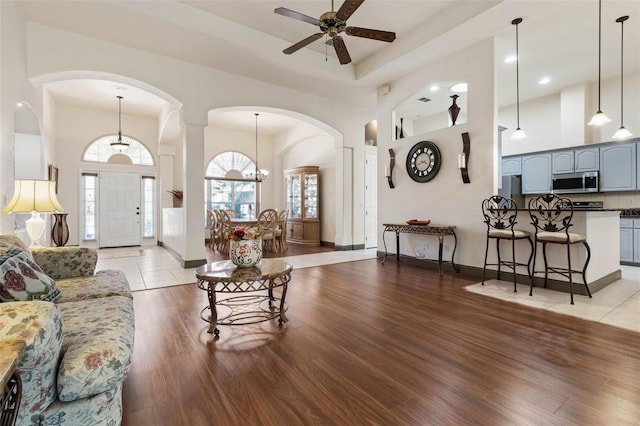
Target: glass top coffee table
x=225, y=277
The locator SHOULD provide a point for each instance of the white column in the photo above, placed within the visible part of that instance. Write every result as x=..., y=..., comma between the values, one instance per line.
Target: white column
x=193, y=186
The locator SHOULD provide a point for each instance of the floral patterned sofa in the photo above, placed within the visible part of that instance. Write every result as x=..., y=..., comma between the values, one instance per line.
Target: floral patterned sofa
x=78, y=346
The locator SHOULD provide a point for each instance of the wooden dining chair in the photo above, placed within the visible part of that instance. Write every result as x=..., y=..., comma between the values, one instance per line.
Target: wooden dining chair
x=267, y=223
x=224, y=225
x=281, y=230
x=213, y=229
x=231, y=213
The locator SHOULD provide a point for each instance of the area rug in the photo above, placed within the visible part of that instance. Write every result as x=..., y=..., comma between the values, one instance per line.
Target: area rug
x=119, y=254
x=618, y=304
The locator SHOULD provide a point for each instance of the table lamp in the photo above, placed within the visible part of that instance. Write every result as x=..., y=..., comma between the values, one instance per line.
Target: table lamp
x=35, y=197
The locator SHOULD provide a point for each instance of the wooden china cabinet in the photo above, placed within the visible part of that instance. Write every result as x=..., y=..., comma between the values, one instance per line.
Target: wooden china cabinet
x=302, y=199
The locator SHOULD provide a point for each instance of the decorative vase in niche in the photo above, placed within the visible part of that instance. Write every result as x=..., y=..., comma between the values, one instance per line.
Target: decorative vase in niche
x=401, y=135
x=454, y=110
x=245, y=253
x=60, y=230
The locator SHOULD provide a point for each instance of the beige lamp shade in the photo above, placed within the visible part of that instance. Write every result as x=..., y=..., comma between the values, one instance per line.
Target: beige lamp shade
x=34, y=196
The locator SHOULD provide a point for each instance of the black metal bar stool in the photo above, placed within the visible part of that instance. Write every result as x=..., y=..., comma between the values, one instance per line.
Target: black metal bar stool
x=551, y=215
x=500, y=215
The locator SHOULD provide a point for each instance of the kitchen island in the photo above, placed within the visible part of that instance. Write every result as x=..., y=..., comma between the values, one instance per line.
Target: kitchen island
x=601, y=228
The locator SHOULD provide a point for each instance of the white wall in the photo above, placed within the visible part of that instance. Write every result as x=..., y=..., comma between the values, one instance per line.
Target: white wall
x=445, y=199
x=14, y=88
x=560, y=120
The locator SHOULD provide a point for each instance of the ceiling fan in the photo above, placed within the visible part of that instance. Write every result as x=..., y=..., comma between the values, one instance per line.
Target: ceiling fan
x=332, y=24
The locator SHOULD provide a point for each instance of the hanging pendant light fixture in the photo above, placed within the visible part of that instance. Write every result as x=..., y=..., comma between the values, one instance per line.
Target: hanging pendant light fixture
x=260, y=174
x=622, y=133
x=119, y=144
x=519, y=133
x=600, y=117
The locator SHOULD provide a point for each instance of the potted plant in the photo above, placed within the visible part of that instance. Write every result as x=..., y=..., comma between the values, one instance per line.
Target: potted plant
x=177, y=197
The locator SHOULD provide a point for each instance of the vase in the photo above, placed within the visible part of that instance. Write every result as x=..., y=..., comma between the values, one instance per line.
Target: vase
x=60, y=230
x=454, y=110
x=245, y=253
x=401, y=135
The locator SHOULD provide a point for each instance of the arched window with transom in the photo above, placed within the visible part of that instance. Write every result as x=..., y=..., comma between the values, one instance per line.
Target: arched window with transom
x=101, y=151
x=229, y=184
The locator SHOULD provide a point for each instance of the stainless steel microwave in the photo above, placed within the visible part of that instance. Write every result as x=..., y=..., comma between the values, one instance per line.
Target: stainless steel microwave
x=575, y=183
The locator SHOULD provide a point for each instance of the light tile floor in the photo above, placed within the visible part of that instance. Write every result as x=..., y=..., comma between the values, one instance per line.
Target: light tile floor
x=618, y=304
x=154, y=267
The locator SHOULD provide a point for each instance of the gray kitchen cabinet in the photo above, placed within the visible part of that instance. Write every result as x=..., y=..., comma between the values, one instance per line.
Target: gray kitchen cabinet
x=575, y=160
x=636, y=245
x=562, y=162
x=536, y=173
x=618, y=167
x=626, y=240
x=587, y=159
x=511, y=166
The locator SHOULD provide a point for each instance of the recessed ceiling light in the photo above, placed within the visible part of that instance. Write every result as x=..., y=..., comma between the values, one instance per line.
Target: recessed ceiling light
x=434, y=88
x=544, y=80
x=510, y=59
x=459, y=88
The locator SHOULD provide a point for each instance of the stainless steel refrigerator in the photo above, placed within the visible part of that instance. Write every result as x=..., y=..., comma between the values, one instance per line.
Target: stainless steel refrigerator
x=512, y=188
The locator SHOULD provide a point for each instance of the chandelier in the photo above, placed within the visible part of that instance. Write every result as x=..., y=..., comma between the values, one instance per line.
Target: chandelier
x=259, y=174
x=119, y=144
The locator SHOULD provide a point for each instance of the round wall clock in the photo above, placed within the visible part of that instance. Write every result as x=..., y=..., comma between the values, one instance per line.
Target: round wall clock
x=423, y=161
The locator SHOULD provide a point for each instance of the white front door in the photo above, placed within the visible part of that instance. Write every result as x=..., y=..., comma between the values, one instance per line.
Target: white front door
x=371, y=200
x=120, y=211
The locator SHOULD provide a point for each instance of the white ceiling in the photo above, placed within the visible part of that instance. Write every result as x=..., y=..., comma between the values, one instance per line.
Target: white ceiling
x=558, y=39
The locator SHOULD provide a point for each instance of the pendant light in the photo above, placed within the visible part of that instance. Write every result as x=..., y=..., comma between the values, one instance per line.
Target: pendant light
x=260, y=174
x=519, y=133
x=600, y=117
x=119, y=144
x=622, y=133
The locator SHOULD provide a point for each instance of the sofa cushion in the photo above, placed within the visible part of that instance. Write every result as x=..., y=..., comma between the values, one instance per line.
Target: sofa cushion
x=105, y=283
x=22, y=279
x=104, y=409
x=97, y=347
x=9, y=242
x=66, y=262
x=39, y=324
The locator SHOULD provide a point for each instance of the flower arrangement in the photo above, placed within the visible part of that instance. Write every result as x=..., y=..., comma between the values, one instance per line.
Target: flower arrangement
x=241, y=233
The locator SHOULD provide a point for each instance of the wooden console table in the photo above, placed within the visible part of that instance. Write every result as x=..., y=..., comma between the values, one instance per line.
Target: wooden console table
x=11, y=352
x=440, y=231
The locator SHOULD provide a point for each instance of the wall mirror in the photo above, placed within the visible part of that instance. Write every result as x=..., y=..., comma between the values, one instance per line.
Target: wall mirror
x=428, y=109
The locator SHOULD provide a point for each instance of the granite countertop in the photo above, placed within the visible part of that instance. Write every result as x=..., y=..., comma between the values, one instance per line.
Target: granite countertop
x=630, y=212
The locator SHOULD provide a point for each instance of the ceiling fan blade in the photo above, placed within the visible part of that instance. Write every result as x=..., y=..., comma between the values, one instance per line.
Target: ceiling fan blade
x=387, y=36
x=302, y=43
x=341, y=50
x=347, y=9
x=296, y=15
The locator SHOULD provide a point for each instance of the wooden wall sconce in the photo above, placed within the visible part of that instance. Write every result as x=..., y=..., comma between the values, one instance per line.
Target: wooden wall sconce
x=388, y=171
x=463, y=159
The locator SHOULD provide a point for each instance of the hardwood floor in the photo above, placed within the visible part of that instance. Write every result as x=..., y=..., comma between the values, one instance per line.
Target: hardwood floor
x=371, y=344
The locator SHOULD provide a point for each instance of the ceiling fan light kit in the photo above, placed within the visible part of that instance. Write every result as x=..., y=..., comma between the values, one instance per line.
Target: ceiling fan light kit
x=333, y=24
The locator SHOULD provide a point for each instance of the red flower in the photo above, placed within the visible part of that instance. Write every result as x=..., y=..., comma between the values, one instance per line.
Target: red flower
x=93, y=361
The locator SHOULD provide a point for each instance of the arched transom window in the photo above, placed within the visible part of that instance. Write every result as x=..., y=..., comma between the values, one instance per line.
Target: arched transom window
x=100, y=151
x=227, y=185
x=230, y=165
